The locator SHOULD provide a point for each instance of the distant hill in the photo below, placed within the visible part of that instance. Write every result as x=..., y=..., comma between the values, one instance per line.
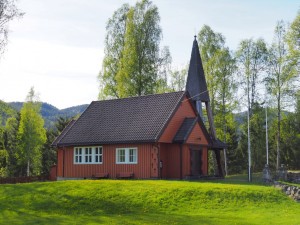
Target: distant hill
x=50, y=113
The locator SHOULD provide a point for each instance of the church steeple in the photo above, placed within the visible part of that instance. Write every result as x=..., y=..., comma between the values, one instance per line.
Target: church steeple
x=197, y=88
x=196, y=83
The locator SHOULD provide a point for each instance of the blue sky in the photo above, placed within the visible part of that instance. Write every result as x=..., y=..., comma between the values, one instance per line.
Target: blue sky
x=58, y=46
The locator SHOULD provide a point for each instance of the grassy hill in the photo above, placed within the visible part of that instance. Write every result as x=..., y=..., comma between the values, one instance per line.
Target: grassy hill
x=145, y=202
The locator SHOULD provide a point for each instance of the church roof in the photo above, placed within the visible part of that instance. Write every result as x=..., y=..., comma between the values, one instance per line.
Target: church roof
x=128, y=120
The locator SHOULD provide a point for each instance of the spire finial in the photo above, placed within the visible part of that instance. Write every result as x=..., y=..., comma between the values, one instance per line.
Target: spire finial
x=195, y=36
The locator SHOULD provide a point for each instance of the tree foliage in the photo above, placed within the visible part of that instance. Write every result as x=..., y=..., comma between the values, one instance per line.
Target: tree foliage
x=48, y=151
x=293, y=39
x=281, y=77
x=210, y=43
x=11, y=144
x=178, y=79
x=252, y=60
x=31, y=134
x=133, y=64
x=219, y=67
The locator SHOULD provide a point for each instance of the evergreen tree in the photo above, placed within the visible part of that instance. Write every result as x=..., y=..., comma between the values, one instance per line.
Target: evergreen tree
x=11, y=144
x=290, y=137
x=48, y=152
x=3, y=155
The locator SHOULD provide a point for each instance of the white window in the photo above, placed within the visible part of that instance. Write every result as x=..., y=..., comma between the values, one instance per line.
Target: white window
x=88, y=155
x=98, y=155
x=126, y=155
x=78, y=155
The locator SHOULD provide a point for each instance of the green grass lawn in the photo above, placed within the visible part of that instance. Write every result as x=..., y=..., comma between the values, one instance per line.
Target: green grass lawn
x=145, y=202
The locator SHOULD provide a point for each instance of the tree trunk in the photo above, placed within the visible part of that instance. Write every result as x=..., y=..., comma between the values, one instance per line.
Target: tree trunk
x=224, y=133
x=249, y=139
x=278, y=132
x=28, y=168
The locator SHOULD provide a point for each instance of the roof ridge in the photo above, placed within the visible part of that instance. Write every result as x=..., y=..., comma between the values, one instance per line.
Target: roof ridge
x=63, y=134
x=172, y=112
x=75, y=121
x=134, y=97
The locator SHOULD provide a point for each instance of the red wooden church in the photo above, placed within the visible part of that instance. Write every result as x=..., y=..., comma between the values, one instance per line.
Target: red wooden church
x=153, y=136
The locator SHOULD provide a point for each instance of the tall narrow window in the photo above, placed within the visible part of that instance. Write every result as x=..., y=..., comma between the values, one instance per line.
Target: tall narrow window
x=98, y=155
x=132, y=155
x=121, y=155
x=88, y=155
x=78, y=155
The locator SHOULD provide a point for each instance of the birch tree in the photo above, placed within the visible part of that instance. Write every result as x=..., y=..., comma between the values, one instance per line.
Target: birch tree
x=133, y=63
x=281, y=78
x=251, y=57
x=31, y=134
x=114, y=44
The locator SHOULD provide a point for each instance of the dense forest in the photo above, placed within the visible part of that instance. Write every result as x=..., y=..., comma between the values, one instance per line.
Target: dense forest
x=254, y=92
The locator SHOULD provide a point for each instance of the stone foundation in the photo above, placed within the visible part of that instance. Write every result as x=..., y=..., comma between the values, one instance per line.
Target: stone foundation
x=292, y=191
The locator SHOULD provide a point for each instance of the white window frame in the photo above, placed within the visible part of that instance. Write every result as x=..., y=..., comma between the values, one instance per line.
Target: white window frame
x=127, y=155
x=91, y=155
x=98, y=155
x=78, y=155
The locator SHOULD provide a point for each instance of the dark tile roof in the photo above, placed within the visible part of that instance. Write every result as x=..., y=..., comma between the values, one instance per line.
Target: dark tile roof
x=218, y=145
x=196, y=83
x=185, y=129
x=128, y=120
x=63, y=133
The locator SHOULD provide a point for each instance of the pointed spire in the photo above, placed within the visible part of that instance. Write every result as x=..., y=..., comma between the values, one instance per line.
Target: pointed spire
x=196, y=83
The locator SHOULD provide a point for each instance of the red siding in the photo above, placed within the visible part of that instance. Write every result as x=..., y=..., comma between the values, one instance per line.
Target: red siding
x=186, y=170
x=154, y=162
x=141, y=170
x=204, y=161
x=197, y=136
x=59, y=163
x=146, y=168
x=184, y=110
x=170, y=155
